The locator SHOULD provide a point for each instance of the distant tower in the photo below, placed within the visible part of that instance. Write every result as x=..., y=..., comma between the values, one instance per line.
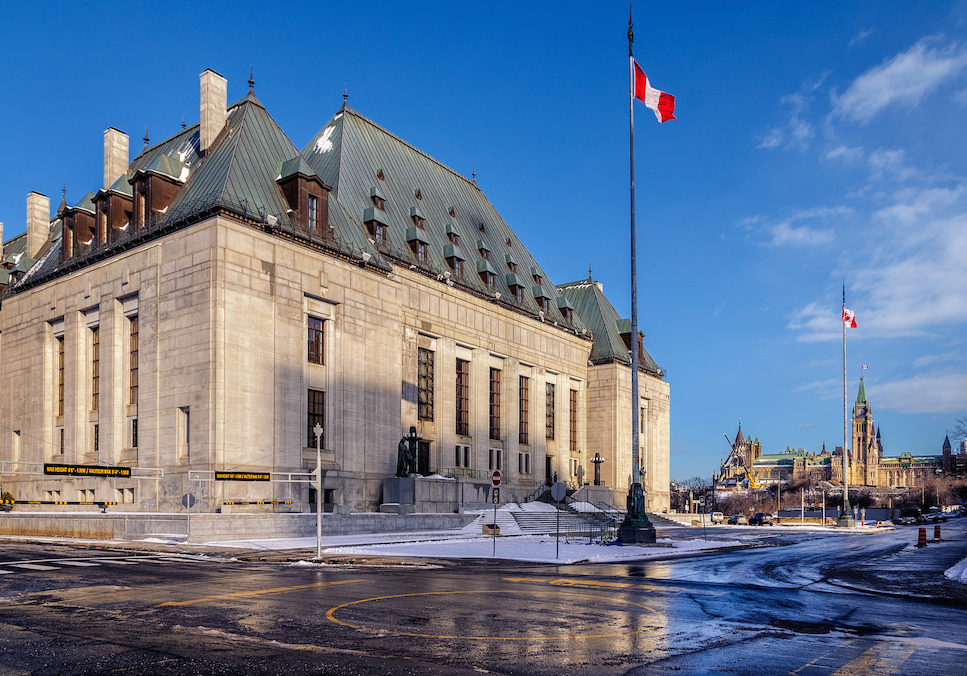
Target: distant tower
x=946, y=454
x=866, y=460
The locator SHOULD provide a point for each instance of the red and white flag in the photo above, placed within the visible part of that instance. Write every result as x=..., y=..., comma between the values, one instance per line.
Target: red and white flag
x=865, y=367
x=661, y=103
x=849, y=318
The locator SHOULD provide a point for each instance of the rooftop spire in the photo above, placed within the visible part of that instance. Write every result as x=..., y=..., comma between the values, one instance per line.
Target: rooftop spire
x=145, y=136
x=183, y=125
x=345, y=94
x=251, y=80
x=861, y=395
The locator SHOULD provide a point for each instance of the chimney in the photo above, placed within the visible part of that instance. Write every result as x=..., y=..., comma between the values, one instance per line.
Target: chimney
x=115, y=155
x=600, y=286
x=38, y=223
x=1, y=239
x=214, y=102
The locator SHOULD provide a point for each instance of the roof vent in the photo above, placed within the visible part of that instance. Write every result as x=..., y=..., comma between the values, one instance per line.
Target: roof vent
x=380, y=175
x=453, y=213
x=419, y=195
x=482, y=228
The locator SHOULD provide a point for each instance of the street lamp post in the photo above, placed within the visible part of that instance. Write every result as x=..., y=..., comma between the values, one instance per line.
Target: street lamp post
x=317, y=430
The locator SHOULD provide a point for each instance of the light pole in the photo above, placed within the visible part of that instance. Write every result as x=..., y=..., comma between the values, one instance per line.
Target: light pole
x=317, y=430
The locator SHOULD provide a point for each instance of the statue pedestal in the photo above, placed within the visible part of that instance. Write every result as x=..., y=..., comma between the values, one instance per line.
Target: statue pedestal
x=399, y=495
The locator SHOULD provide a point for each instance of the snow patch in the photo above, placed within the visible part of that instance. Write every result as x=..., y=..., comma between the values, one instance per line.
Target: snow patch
x=957, y=572
x=323, y=144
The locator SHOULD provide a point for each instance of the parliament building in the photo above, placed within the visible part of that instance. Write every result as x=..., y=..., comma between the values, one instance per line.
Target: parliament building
x=192, y=323
x=747, y=467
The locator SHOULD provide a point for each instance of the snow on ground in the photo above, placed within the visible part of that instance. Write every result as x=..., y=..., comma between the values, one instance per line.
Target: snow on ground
x=536, y=548
x=957, y=572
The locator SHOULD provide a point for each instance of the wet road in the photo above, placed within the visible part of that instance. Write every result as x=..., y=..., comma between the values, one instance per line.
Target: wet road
x=774, y=609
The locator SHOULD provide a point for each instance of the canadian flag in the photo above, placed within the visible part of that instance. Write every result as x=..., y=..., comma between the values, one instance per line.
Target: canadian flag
x=661, y=103
x=849, y=318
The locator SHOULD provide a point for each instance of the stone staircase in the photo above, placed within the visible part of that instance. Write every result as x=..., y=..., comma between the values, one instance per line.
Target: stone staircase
x=545, y=522
x=659, y=521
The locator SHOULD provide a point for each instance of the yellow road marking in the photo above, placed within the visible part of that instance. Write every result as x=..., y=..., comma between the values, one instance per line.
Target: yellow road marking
x=660, y=619
x=259, y=592
x=881, y=658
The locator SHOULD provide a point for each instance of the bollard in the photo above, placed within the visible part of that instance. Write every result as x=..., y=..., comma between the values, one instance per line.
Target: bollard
x=922, y=541
x=936, y=532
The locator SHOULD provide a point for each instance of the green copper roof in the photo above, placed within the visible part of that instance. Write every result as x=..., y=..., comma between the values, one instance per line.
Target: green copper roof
x=361, y=160
x=597, y=313
x=861, y=395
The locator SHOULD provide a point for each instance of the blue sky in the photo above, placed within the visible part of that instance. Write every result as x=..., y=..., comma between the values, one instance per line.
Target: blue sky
x=816, y=143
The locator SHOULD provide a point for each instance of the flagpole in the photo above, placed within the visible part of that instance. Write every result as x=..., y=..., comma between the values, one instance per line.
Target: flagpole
x=845, y=519
x=636, y=527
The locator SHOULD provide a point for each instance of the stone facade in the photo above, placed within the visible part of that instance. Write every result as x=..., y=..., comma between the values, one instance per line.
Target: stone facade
x=181, y=348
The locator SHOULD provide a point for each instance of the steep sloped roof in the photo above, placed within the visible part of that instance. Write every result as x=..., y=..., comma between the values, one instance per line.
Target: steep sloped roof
x=604, y=322
x=358, y=158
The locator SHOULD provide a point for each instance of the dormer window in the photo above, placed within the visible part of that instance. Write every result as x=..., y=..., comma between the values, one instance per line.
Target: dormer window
x=454, y=238
x=487, y=275
x=456, y=265
x=418, y=243
x=484, y=251
x=313, y=212
x=545, y=304
x=512, y=267
x=417, y=217
x=568, y=315
x=376, y=224
x=306, y=196
x=511, y=263
x=377, y=197
x=518, y=293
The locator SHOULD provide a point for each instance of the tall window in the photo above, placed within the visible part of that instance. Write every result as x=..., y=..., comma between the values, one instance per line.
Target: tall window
x=133, y=363
x=573, y=419
x=495, y=403
x=549, y=412
x=425, y=384
x=316, y=409
x=524, y=409
x=317, y=341
x=463, y=397
x=313, y=211
x=60, y=375
x=95, y=367
x=184, y=431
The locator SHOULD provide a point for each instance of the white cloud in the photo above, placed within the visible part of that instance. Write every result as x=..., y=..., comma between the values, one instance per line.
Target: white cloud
x=845, y=154
x=936, y=392
x=928, y=359
x=860, y=38
x=797, y=132
x=785, y=234
x=903, y=80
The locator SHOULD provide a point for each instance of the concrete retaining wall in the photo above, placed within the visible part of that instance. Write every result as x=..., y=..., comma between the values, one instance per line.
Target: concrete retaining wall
x=215, y=527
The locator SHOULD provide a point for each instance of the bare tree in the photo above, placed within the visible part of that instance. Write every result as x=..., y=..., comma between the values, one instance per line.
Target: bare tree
x=960, y=429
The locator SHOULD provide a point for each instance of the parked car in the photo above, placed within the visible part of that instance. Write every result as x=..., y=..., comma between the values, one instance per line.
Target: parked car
x=739, y=520
x=761, y=519
x=718, y=517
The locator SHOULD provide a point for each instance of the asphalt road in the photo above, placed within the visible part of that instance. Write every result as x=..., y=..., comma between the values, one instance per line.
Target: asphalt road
x=788, y=608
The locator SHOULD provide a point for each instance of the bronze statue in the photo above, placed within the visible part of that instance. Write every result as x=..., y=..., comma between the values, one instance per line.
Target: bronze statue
x=406, y=454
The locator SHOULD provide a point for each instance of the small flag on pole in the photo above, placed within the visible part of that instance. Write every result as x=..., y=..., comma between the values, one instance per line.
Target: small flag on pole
x=849, y=318
x=865, y=367
x=662, y=104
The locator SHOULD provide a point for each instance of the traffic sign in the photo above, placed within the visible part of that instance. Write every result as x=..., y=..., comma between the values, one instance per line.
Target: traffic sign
x=558, y=491
x=495, y=477
x=188, y=500
x=496, y=494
